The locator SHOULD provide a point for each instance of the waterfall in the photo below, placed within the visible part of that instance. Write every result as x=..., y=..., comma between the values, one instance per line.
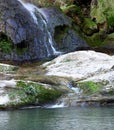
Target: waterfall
x=61, y=105
x=76, y=90
x=48, y=42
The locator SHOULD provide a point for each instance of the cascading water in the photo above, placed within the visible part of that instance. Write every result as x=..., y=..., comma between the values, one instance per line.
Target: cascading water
x=48, y=41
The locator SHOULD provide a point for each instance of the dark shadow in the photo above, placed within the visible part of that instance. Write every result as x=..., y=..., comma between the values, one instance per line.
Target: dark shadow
x=82, y=2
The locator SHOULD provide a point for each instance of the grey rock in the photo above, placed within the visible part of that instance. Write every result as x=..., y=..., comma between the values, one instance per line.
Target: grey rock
x=34, y=28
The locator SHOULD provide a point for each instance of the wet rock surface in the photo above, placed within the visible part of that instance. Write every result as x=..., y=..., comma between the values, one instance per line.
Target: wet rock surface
x=32, y=34
x=91, y=76
x=83, y=78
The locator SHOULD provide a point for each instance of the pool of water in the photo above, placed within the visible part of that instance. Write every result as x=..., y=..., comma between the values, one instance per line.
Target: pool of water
x=101, y=118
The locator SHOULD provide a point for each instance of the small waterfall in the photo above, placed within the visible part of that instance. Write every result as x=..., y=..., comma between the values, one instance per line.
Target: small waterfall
x=56, y=106
x=48, y=42
x=50, y=39
x=31, y=10
x=75, y=89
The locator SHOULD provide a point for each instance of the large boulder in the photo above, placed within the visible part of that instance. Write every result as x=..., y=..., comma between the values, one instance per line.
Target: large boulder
x=89, y=74
x=81, y=65
x=15, y=94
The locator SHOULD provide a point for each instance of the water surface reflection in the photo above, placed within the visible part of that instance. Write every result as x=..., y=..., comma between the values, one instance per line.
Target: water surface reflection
x=58, y=119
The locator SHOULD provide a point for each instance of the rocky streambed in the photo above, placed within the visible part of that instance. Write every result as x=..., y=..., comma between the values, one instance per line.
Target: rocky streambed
x=81, y=78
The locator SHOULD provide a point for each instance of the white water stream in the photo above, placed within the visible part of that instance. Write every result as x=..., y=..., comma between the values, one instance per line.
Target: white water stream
x=32, y=9
x=56, y=106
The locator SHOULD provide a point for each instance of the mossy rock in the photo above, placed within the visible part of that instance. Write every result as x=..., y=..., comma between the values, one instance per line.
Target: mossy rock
x=110, y=37
x=90, y=87
x=110, y=17
x=71, y=8
x=33, y=93
x=103, y=12
x=97, y=11
x=89, y=26
x=74, y=12
x=96, y=40
x=6, y=45
x=109, y=41
x=108, y=92
x=7, y=68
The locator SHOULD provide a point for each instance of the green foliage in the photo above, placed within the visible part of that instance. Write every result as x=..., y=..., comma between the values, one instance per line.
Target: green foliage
x=89, y=26
x=35, y=92
x=5, y=45
x=111, y=92
x=72, y=8
x=90, y=87
x=110, y=16
x=57, y=3
x=97, y=11
x=96, y=40
x=103, y=12
x=89, y=23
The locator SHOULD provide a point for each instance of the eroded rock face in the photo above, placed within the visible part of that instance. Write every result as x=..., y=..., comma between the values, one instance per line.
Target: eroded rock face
x=32, y=30
x=14, y=23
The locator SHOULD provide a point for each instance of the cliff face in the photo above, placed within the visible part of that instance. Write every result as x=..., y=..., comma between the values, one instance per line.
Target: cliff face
x=28, y=32
x=14, y=23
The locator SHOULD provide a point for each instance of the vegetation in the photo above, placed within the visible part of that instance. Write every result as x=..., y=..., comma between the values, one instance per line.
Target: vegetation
x=96, y=40
x=110, y=17
x=89, y=26
x=53, y=2
x=72, y=8
x=37, y=93
x=90, y=87
x=5, y=44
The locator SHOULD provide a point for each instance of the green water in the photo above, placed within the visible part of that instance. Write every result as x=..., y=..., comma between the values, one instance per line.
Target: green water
x=58, y=119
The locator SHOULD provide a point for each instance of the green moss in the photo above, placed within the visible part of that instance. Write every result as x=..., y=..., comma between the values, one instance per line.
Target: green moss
x=96, y=40
x=111, y=92
x=8, y=68
x=60, y=33
x=103, y=11
x=37, y=93
x=30, y=94
x=110, y=16
x=72, y=8
x=110, y=38
x=74, y=12
x=97, y=11
x=5, y=44
x=89, y=23
x=90, y=87
x=89, y=26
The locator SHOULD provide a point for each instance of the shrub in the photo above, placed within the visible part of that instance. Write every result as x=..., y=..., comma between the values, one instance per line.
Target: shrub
x=38, y=92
